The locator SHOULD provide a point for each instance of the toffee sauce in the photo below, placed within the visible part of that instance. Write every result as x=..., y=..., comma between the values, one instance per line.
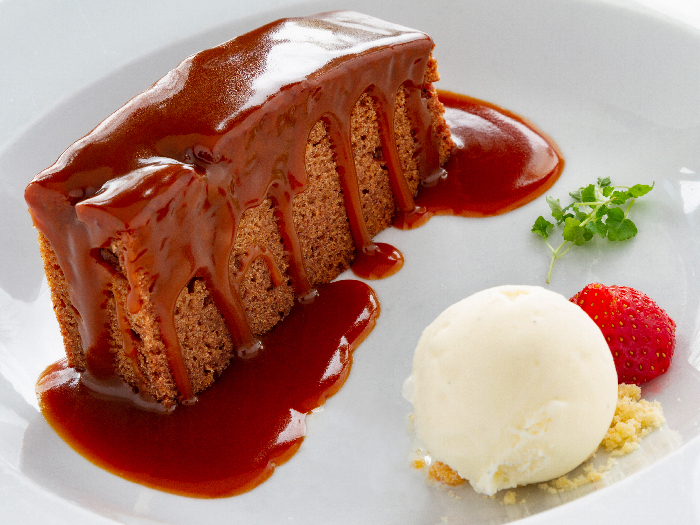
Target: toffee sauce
x=172, y=172
x=249, y=421
x=500, y=162
x=377, y=262
x=252, y=418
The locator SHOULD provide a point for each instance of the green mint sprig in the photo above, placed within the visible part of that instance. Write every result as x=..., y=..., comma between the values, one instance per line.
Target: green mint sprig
x=598, y=209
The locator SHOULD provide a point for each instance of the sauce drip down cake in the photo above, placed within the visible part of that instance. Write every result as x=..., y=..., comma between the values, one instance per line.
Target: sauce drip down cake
x=190, y=220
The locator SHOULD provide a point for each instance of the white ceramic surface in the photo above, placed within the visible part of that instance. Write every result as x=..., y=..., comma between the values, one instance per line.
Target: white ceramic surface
x=616, y=84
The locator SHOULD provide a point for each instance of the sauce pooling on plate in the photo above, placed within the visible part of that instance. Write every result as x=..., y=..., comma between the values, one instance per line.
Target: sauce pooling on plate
x=158, y=191
x=178, y=165
x=253, y=416
x=249, y=421
x=500, y=162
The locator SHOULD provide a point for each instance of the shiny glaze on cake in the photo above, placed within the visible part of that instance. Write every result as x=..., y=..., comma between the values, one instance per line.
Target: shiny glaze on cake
x=173, y=171
x=171, y=174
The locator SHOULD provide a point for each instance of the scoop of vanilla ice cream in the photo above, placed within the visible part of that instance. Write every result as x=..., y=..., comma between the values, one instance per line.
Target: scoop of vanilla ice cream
x=512, y=385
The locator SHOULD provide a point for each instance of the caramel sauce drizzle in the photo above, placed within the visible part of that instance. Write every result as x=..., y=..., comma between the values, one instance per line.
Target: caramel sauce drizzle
x=255, y=253
x=172, y=172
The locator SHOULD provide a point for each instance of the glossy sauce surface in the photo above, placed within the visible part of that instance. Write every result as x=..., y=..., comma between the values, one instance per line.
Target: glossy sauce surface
x=253, y=416
x=173, y=171
x=377, y=262
x=188, y=171
x=249, y=421
x=500, y=162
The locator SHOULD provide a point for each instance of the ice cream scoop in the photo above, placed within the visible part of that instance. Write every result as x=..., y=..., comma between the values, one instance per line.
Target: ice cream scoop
x=512, y=385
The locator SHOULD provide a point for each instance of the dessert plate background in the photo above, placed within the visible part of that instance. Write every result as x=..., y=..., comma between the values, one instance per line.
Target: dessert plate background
x=616, y=84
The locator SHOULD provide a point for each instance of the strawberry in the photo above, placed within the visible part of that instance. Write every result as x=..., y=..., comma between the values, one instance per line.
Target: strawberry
x=640, y=334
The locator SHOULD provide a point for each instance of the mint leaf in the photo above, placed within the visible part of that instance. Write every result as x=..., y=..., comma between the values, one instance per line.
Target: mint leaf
x=576, y=195
x=598, y=228
x=616, y=212
x=555, y=207
x=580, y=216
x=542, y=227
x=575, y=233
x=619, y=227
x=619, y=197
x=595, y=210
x=639, y=190
x=588, y=194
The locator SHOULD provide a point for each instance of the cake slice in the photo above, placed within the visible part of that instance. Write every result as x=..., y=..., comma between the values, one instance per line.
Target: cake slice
x=190, y=220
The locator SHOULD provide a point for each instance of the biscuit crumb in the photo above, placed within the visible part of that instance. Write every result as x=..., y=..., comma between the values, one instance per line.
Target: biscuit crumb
x=442, y=473
x=511, y=498
x=634, y=418
x=418, y=463
x=565, y=483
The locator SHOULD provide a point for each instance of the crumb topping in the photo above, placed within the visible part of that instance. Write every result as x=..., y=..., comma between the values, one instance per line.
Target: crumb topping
x=634, y=418
x=565, y=483
x=511, y=498
x=442, y=473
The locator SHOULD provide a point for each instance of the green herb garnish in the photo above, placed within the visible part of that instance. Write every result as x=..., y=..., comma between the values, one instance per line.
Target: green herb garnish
x=598, y=209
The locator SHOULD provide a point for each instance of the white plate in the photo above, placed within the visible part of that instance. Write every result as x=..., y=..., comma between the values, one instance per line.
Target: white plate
x=617, y=86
